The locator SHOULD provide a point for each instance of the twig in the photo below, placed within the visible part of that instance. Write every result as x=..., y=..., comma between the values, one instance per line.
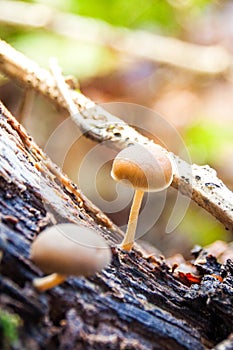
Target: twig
x=25, y=107
x=200, y=59
x=62, y=86
x=201, y=183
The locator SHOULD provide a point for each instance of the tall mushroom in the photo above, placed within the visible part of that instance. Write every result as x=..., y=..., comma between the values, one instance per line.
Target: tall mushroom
x=68, y=249
x=145, y=168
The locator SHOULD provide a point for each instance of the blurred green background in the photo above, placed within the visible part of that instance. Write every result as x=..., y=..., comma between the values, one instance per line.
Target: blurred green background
x=198, y=105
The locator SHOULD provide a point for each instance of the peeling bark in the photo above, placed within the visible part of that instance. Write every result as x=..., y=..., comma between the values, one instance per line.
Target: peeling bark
x=135, y=303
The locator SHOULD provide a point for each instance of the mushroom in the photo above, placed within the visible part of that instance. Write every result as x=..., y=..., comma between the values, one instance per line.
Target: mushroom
x=145, y=168
x=68, y=249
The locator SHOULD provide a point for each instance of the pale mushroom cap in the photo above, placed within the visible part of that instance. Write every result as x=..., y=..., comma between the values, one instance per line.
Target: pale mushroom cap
x=144, y=167
x=70, y=249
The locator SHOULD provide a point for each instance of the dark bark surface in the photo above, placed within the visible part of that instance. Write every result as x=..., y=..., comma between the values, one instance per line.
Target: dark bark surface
x=135, y=303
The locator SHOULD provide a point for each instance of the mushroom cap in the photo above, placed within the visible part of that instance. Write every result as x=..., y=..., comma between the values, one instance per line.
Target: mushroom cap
x=70, y=249
x=144, y=167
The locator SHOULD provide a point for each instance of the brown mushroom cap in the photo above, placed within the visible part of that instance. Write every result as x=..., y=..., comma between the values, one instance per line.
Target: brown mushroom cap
x=70, y=249
x=144, y=167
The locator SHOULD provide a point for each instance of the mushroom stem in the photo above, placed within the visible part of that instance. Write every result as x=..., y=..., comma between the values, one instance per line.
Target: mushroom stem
x=48, y=282
x=128, y=240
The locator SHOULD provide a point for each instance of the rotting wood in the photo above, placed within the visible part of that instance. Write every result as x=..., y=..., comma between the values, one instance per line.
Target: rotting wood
x=135, y=303
x=226, y=344
x=198, y=182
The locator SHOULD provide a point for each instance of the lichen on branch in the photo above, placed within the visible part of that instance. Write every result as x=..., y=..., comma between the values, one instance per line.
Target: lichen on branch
x=197, y=182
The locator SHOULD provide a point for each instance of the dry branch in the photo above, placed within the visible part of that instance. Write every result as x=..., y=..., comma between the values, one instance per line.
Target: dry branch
x=199, y=182
x=208, y=60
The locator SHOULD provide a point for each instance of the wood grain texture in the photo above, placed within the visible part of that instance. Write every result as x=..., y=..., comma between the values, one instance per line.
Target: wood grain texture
x=135, y=303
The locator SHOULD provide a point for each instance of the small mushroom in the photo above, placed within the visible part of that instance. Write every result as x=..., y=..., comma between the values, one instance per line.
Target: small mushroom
x=68, y=249
x=145, y=168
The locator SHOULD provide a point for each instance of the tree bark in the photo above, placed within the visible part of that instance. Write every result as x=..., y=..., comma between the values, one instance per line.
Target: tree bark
x=135, y=303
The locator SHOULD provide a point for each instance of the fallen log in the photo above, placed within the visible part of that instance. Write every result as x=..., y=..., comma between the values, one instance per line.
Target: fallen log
x=137, y=302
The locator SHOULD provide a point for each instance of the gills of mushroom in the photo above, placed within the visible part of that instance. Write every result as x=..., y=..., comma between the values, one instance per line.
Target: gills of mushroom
x=68, y=249
x=145, y=168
